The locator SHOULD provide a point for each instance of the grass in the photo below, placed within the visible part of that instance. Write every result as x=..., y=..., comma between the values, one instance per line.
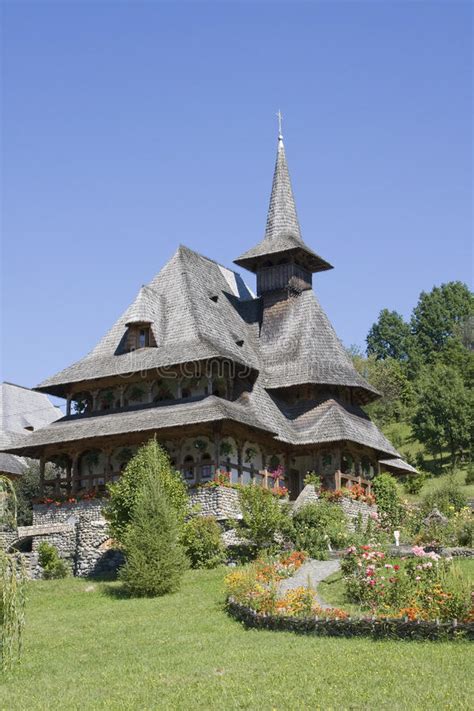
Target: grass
x=401, y=435
x=88, y=648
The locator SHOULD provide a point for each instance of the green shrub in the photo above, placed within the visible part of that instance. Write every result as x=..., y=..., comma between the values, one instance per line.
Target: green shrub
x=149, y=459
x=313, y=479
x=262, y=516
x=448, y=499
x=317, y=525
x=388, y=500
x=53, y=565
x=414, y=484
x=202, y=541
x=154, y=558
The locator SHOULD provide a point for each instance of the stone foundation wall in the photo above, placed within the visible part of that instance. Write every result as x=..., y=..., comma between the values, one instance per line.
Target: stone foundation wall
x=79, y=530
x=222, y=502
x=353, y=508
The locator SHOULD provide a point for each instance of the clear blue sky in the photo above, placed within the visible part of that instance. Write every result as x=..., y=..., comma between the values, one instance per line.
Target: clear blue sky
x=131, y=127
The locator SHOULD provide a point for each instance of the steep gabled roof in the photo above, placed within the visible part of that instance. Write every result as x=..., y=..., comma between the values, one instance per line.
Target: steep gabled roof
x=188, y=325
x=299, y=345
x=282, y=232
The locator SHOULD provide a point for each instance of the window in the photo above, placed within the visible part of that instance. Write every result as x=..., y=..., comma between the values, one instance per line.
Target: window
x=143, y=337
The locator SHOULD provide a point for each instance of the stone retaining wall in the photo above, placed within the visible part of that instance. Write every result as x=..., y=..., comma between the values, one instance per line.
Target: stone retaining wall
x=352, y=508
x=222, y=502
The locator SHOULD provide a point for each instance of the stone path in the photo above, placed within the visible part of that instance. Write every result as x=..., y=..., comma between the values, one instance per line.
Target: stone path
x=310, y=575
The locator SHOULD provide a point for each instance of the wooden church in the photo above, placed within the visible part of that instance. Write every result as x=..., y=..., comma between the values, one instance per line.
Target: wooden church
x=224, y=379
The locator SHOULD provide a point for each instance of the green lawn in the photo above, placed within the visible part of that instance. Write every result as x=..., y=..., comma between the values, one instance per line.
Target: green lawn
x=400, y=434
x=88, y=649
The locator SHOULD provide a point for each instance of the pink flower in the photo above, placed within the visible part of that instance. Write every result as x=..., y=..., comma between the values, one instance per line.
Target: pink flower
x=419, y=551
x=417, y=577
x=374, y=515
x=388, y=566
x=434, y=556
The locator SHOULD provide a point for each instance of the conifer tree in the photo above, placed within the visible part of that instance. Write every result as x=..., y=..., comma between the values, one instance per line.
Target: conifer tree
x=154, y=558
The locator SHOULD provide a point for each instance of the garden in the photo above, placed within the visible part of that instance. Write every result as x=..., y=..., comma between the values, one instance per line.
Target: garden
x=190, y=623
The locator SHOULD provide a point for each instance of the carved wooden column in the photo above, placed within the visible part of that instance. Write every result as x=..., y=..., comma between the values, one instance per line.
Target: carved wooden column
x=209, y=384
x=108, y=464
x=179, y=389
x=121, y=392
x=57, y=481
x=239, y=446
x=95, y=397
x=217, y=447
x=68, y=404
x=75, y=472
x=149, y=387
x=69, y=475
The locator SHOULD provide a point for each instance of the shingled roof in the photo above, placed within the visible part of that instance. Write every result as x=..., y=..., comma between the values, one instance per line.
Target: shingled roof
x=187, y=320
x=282, y=232
x=197, y=310
x=304, y=348
x=21, y=410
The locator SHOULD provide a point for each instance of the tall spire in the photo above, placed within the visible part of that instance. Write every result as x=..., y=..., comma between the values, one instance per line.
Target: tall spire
x=282, y=218
x=282, y=240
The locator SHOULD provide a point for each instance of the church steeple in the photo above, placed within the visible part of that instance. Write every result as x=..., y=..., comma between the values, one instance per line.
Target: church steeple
x=282, y=243
x=282, y=218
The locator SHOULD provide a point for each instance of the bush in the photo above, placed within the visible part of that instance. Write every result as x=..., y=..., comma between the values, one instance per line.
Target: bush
x=53, y=565
x=262, y=516
x=414, y=484
x=154, y=558
x=151, y=459
x=202, y=541
x=317, y=525
x=448, y=499
x=388, y=500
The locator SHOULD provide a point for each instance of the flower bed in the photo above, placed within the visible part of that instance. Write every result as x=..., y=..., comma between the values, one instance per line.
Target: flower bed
x=256, y=587
x=425, y=602
x=421, y=587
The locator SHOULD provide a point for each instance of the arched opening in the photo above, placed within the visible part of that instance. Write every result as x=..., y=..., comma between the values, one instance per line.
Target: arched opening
x=22, y=545
x=189, y=473
x=206, y=467
x=347, y=463
x=81, y=403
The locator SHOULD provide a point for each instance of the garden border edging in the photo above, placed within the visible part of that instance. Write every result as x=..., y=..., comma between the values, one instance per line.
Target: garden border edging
x=394, y=628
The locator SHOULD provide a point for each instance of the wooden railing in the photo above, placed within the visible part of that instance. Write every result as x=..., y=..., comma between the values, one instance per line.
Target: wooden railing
x=348, y=480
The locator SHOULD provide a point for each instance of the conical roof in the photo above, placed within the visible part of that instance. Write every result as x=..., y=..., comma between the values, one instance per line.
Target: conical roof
x=282, y=232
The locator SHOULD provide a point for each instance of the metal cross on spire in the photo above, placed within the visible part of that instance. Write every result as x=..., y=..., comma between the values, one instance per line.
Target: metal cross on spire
x=280, y=122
